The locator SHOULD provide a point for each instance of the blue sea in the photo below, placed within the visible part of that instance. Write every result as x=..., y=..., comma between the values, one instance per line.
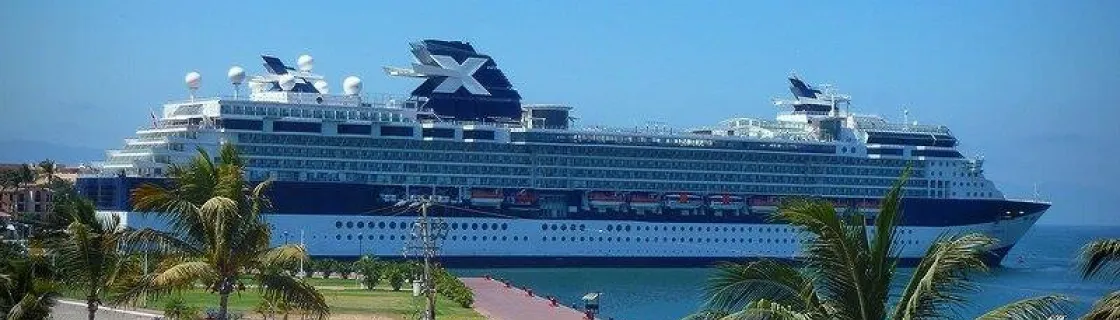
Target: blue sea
x=1041, y=264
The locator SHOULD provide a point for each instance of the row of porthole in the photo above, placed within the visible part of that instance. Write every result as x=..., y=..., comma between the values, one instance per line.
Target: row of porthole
x=609, y=239
x=405, y=225
x=581, y=227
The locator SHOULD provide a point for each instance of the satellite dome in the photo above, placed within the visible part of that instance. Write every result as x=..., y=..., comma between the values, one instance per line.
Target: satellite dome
x=352, y=85
x=236, y=75
x=287, y=82
x=305, y=63
x=321, y=86
x=193, y=80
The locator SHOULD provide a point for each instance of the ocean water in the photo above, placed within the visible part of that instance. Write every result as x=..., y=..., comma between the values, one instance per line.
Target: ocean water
x=1041, y=264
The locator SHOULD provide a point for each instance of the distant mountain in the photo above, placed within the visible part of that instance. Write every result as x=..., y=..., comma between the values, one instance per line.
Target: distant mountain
x=26, y=151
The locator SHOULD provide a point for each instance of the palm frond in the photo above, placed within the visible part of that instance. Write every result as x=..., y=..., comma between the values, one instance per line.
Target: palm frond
x=155, y=241
x=1044, y=307
x=286, y=255
x=707, y=315
x=295, y=292
x=768, y=310
x=735, y=285
x=942, y=276
x=1100, y=256
x=838, y=253
x=36, y=304
x=883, y=255
x=180, y=276
x=1107, y=308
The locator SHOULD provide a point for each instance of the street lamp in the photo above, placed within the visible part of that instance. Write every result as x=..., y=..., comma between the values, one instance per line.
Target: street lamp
x=285, y=237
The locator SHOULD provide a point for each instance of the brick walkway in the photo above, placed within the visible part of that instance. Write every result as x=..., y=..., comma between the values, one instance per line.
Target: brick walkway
x=494, y=301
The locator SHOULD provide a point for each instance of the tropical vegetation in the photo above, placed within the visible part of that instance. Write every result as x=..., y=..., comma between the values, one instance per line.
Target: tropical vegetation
x=847, y=271
x=1101, y=259
x=218, y=237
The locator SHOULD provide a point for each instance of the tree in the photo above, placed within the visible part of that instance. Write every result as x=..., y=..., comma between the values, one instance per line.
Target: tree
x=1101, y=258
x=371, y=270
x=220, y=235
x=48, y=167
x=395, y=274
x=88, y=251
x=27, y=291
x=25, y=175
x=848, y=270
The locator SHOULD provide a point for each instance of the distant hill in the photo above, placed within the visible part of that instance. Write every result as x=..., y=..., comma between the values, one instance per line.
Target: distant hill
x=25, y=151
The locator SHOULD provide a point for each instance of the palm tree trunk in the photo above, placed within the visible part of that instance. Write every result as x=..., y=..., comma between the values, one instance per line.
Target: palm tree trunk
x=223, y=304
x=91, y=306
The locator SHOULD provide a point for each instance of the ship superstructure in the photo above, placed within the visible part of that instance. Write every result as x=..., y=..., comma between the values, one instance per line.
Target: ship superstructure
x=522, y=186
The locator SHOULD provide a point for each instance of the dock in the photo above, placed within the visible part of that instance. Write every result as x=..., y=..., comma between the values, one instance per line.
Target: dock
x=497, y=300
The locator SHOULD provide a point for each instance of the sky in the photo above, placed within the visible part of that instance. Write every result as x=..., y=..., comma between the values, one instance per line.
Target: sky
x=1025, y=84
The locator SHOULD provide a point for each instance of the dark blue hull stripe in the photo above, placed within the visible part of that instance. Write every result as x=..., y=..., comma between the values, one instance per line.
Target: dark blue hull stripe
x=993, y=259
x=321, y=198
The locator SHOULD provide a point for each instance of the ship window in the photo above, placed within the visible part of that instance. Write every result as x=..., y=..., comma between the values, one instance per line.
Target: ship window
x=338, y=224
x=360, y=237
x=361, y=225
x=563, y=227
x=293, y=126
x=474, y=238
x=349, y=225
x=503, y=238
x=349, y=237
x=438, y=133
x=337, y=237
x=494, y=226
x=554, y=227
x=581, y=227
x=395, y=131
x=484, y=226
x=544, y=227
x=610, y=228
x=627, y=228
x=478, y=134
x=544, y=238
x=356, y=129
x=392, y=225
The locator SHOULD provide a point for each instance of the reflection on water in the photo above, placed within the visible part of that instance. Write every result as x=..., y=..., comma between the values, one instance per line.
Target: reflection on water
x=1041, y=264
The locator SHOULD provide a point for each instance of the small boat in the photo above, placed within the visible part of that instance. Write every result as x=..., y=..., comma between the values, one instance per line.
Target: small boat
x=644, y=200
x=487, y=197
x=524, y=197
x=683, y=200
x=725, y=201
x=605, y=199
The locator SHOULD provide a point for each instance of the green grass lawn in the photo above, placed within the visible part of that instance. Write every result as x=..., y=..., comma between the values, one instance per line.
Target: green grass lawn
x=343, y=296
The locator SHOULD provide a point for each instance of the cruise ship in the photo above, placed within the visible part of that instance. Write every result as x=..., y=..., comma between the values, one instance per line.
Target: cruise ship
x=517, y=184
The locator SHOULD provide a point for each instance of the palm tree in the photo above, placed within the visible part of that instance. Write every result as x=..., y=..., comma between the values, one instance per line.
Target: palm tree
x=1101, y=258
x=848, y=270
x=89, y=251
x=48, y=167
x=216, y=216
x=26, y=289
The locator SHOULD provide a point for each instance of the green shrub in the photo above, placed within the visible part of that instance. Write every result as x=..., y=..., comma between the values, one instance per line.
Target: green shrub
x=396, y=274
x=371, y=270
x=448, y=285
x=176, y=309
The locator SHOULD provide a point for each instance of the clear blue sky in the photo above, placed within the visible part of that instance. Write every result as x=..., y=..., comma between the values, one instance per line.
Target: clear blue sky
x=1027, y=84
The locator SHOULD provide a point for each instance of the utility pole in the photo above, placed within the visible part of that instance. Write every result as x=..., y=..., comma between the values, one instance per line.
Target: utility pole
x=301, y=245
x=429, y=252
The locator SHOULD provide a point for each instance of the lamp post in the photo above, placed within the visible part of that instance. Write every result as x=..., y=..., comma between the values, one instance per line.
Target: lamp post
x=360, y=249
x=285, y=237
x=301, y=273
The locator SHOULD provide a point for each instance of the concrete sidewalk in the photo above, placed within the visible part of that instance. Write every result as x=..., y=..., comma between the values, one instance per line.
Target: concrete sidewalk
x=74, y=310
x=494, y=301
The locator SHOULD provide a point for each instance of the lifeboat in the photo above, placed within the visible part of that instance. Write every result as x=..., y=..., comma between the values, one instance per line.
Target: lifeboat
x=868, y=205
x=683, y=200
x=764, y=204
x=524, y=197
x=487, y=197
x=644, y=200
x=391, y=194
x=605, y=199
x=725, y=201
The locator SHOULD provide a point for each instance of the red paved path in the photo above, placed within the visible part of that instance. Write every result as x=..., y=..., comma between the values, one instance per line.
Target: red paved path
x=494, y=301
